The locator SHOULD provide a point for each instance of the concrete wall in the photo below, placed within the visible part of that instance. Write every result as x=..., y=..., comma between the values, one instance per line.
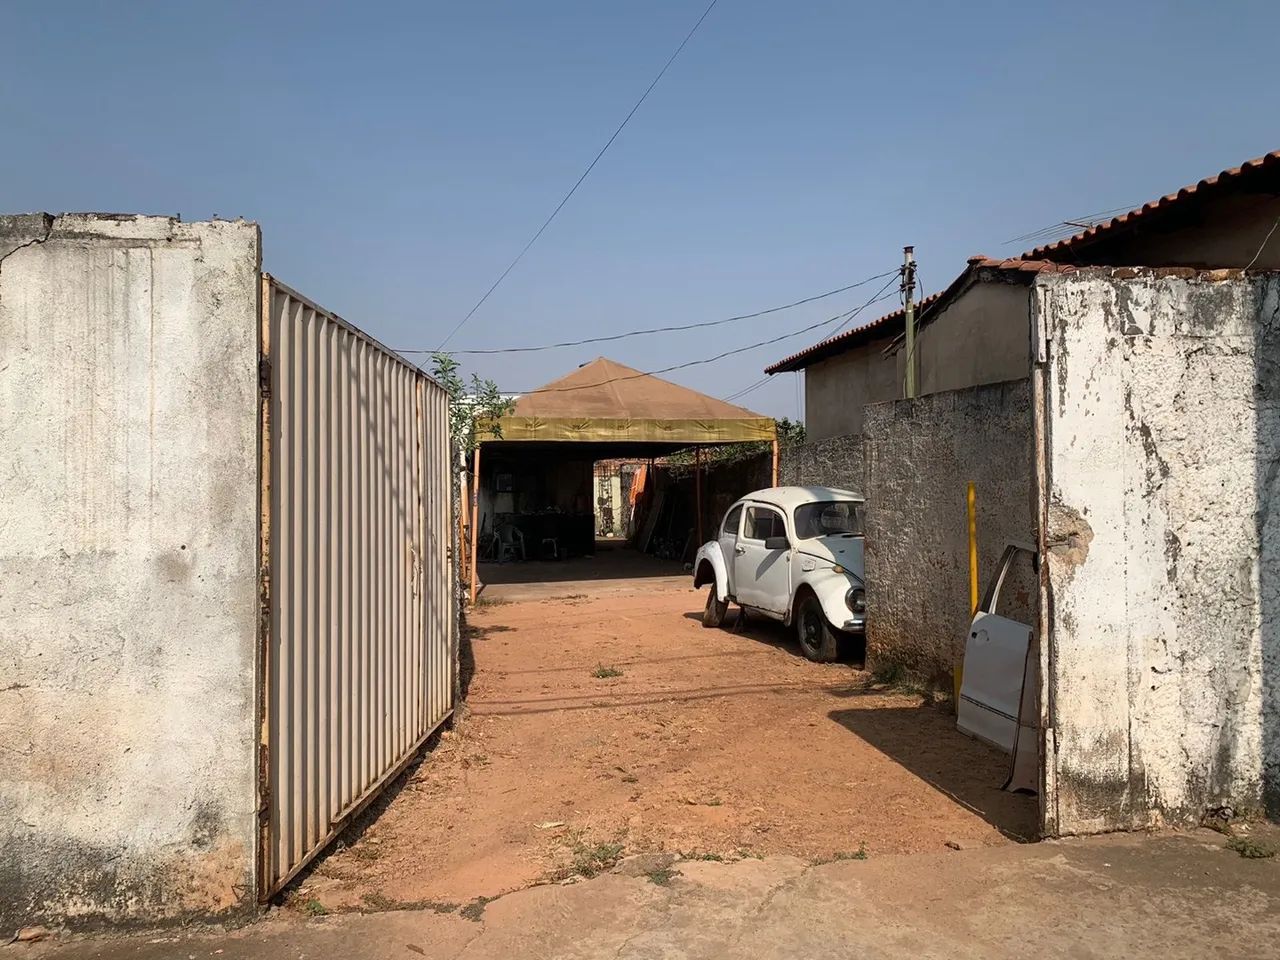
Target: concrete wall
x=128, y=569
x=832, y=462
x=836, y=389
x=921, y=455
x=1161, y=445
x=982, y=336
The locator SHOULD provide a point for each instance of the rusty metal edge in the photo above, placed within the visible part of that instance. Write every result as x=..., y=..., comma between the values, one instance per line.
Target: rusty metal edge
x=357, y=807
x=262, y=658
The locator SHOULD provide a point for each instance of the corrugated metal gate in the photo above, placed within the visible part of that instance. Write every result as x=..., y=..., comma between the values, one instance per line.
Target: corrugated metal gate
x=358, y=613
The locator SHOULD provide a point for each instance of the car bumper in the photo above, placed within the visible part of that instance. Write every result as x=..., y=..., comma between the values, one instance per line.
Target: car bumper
x=855, y=625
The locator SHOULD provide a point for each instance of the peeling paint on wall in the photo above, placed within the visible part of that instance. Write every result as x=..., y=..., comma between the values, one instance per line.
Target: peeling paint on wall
x=1163, y=427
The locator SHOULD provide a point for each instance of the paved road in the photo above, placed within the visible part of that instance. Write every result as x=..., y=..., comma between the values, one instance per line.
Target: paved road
x=1170, y=896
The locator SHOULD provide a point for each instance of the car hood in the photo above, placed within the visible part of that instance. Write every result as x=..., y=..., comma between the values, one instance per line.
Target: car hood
x=840, y=548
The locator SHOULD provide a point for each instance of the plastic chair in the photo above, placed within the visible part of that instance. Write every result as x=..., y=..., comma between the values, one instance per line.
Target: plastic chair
x=510, y=543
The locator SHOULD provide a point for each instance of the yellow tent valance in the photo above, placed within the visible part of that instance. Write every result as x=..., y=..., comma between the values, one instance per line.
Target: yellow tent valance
x=643, y=430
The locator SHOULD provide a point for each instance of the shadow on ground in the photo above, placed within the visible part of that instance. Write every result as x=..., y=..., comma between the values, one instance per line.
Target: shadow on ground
x=925, y=741
x=773, y=633
x=610, y=562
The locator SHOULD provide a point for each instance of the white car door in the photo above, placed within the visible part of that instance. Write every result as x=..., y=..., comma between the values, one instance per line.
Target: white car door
x=729, y=540
x=761, y=560
x=1001, y=681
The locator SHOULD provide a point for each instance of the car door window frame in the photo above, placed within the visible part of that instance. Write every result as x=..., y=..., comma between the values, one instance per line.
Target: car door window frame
x=746, y=533
x=725, y=530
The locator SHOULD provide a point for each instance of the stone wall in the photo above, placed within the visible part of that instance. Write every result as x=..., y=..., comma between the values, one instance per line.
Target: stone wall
x=833, y=462
x=128, y=569
x=920, y=456
x=1161, y=441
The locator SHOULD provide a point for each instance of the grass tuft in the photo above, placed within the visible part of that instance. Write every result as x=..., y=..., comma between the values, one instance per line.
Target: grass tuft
x=601, y=672
x=1251, y=849
x=662, y=876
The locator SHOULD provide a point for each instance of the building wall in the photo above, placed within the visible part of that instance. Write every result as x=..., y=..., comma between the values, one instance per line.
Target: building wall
x=1161, y=445
x=128, y=568
x=920, y=456
x=982, y=336
x=831, y=462
x=836, y=389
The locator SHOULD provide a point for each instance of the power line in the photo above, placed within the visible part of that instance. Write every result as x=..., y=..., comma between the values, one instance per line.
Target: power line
x=848, y=314
x=743, y=392
x=652, y=330
x=591, y=166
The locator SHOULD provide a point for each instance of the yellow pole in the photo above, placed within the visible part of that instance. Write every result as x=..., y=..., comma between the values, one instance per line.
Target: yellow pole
x=957, y=675
x=973, y=551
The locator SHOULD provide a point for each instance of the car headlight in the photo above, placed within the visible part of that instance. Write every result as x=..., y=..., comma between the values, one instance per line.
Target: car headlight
x=856, y=600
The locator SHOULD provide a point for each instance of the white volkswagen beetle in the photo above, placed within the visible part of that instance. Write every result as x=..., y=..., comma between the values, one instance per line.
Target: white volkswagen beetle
x=793, y=554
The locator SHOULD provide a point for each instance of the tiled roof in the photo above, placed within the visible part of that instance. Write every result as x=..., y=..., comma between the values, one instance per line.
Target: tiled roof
x=850, y=338
x=1269, y=162
x=891, y=324
x=1040, y=260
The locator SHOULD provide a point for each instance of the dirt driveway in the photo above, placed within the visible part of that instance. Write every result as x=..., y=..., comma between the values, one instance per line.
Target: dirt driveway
x=605, y=725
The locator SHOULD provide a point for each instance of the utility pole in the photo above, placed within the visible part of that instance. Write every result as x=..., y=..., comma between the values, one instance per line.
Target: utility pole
x=908, y=290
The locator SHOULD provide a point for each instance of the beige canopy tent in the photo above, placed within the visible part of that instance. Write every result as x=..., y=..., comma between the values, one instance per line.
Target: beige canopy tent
x=607, y=409
x=605, y=401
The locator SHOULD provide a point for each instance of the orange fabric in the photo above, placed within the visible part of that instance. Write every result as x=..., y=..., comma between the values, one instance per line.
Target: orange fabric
x=637, y=483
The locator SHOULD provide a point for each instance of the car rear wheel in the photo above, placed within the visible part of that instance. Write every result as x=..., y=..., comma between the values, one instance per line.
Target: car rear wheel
x=713, y=613
x=818, y=641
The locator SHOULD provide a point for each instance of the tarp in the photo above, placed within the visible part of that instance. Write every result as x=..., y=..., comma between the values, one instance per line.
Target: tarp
x=606, y=401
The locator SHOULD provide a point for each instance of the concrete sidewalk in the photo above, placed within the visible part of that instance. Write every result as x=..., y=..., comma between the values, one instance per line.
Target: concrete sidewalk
x=1167, y=896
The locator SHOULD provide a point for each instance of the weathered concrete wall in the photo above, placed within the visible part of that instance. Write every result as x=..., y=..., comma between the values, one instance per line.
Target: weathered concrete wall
x=1161, y=438
x=836, y=389
x=832, y=462
x=982, y=336
x=921, y=455
x=128, y=580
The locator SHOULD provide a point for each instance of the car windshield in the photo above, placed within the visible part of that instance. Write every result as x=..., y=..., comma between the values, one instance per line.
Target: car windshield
x=829, y=517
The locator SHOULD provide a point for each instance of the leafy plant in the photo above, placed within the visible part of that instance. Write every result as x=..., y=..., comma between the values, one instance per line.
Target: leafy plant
x=474, y=413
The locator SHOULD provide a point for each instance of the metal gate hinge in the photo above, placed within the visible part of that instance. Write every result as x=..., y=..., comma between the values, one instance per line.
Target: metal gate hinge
x=264, y=376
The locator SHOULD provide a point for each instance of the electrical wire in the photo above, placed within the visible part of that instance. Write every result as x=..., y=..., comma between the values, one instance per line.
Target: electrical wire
x=742, y=393
x=651, y=330
x=574, y=189
x=847, y=315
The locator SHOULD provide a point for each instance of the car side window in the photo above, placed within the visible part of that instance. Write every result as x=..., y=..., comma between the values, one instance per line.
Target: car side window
x=730, y=528
x=763, y=523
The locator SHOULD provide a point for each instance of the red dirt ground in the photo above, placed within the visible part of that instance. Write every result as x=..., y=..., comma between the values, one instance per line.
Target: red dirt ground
x=707, y=743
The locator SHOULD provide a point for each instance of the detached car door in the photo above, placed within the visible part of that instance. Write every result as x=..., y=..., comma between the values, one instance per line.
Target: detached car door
x=761, y=571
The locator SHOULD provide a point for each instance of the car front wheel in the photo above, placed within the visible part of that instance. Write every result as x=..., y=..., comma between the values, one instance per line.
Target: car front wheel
x=713, y=613
x=818, y=641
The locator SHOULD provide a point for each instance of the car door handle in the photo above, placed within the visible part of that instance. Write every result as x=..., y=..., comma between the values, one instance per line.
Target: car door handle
x=739, y=550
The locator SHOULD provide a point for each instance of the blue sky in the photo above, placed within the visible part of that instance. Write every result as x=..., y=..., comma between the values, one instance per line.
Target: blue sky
x=398, y=156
